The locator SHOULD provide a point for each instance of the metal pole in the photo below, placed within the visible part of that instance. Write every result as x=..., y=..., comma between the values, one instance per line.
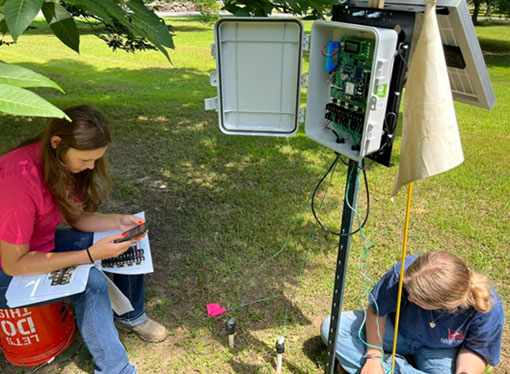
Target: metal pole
x=351, y=190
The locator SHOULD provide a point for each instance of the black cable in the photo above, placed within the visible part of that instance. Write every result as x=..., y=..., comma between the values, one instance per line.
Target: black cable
x=368, y=201
x=389, y=131
x=343, y=161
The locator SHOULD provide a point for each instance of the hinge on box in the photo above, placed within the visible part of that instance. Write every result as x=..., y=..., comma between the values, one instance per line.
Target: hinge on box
x=213, y=78
x=211, y=103
x=301, y=115
x=303, y=81
x=213, y=50
x=306, y=42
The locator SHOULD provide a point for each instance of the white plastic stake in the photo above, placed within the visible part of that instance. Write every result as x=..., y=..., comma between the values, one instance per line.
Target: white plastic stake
x=231, y=329
x=280, y=348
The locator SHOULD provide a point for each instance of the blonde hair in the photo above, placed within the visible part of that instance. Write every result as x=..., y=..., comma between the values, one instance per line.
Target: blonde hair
x=441, y=279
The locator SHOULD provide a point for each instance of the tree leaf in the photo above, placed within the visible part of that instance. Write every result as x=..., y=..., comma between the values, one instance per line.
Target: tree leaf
x=20, y=102
x=19, y=14
x=62, y=25
x=92, y=7
x=3, y=27
x=105, y=9
x=18, y=76
x=157, y=32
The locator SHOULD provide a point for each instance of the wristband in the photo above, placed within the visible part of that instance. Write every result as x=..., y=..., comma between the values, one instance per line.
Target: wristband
x=372, y=356
x=90, y=257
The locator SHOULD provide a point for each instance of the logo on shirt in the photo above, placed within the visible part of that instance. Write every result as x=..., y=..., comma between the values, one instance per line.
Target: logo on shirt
x=455, y=334
x=454, y=337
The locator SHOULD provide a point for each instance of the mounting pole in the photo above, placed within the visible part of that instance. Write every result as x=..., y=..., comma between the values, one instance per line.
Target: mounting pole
x=351, y=191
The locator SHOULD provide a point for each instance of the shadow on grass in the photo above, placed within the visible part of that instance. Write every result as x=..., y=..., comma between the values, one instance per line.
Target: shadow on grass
x=220, y=204
x=496, y=52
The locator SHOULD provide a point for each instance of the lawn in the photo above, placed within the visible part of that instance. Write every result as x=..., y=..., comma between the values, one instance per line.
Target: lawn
x=221, y=205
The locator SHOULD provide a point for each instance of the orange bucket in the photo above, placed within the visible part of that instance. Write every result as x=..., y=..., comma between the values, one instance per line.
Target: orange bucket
x=33, y=336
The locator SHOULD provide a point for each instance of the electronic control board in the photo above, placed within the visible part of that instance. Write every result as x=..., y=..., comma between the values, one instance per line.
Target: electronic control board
x=345, y=111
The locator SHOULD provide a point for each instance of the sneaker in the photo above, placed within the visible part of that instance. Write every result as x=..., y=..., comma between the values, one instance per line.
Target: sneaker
x=150, y=330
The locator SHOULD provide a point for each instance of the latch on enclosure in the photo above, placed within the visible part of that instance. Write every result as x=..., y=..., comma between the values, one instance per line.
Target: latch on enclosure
x=213, y=78
x=211, y=103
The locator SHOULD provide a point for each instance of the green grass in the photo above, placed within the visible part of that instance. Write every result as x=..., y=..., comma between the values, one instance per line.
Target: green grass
x=222, y=204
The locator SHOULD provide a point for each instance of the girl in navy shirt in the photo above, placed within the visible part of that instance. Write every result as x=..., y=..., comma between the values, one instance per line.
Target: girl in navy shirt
x=451, y=321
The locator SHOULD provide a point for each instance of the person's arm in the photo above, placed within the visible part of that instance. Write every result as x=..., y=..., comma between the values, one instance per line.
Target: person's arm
x=374, y=329
x=18, y=260
x=93, y=222
x=469, y=362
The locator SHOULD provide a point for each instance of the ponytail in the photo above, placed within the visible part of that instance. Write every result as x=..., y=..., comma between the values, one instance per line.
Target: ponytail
x=480, y=292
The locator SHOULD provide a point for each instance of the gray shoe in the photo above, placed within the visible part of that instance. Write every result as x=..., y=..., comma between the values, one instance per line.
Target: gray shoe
x=150, y=330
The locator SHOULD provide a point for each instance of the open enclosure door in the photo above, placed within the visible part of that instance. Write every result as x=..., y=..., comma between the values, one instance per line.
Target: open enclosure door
x=258, y=62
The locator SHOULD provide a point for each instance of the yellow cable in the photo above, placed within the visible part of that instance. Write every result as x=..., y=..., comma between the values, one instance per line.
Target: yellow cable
x=401, y=281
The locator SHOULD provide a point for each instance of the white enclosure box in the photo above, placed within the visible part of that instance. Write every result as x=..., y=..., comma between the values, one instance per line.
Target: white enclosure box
x=384, y=42
x=259, y=80
x=258, y=64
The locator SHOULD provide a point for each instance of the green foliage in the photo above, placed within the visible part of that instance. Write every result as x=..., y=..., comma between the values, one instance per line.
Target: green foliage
x=14, y=99
x=62, y=25
x=147, y=24
x=129, y=25
x=20, y=77
x=19, y=14
x=18, y=101
x=309, y=9
x=209, y=10
x=502, y=7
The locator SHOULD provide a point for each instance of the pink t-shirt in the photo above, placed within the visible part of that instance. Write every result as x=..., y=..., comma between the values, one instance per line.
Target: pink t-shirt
x=28, y=213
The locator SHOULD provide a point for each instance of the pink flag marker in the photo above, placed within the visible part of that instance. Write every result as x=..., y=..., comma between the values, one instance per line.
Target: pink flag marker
x=215, y=310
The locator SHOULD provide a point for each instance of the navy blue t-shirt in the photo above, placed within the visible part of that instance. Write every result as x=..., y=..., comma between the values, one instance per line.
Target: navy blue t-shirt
x=479, y=332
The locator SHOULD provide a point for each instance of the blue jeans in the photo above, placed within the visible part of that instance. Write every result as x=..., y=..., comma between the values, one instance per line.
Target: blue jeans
x=93, y=308
x=350, y=350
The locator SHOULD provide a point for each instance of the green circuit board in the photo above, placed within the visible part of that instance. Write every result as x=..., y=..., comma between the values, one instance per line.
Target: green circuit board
x=345, y=111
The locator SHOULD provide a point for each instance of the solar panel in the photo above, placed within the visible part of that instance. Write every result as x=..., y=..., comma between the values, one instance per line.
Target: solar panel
x=469, y=79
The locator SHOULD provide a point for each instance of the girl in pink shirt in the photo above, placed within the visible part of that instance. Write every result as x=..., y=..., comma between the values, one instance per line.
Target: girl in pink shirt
x=55, y=177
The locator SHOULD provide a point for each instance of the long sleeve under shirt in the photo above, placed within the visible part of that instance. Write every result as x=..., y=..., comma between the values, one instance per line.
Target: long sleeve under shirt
x=476, y=331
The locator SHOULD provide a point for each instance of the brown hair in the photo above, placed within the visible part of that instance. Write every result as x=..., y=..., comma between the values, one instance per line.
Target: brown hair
x=441, y=279
x=81, y=192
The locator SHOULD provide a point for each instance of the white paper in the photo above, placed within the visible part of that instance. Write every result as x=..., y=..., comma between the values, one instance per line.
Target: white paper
x=31, y=289
x=120, y=303
x=143, y=267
